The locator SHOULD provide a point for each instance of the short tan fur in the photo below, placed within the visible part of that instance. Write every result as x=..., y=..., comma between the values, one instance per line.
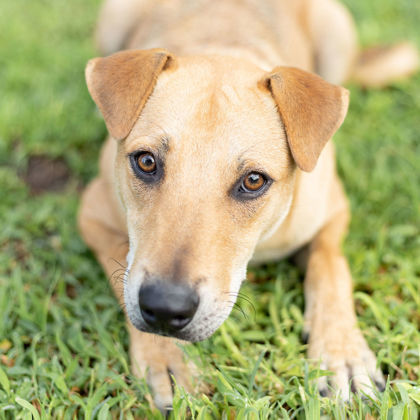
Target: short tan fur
x=215, y=91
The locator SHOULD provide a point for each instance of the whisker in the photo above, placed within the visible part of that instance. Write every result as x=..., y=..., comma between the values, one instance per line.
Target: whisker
x=244, y=297
x=237, y=307
x=118, y=270
x=116, y=261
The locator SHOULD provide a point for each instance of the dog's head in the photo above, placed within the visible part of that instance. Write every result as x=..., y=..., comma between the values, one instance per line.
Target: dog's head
x=208, y=148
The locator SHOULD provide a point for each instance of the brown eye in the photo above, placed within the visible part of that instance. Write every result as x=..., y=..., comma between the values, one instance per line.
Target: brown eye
x=251, y=186
x=146, y=162
x=253, y=182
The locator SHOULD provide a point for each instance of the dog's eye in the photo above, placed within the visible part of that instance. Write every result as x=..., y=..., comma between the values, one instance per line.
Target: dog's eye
x=253, y=182
x=252, y=185
x=146, y=162
x=146, y=166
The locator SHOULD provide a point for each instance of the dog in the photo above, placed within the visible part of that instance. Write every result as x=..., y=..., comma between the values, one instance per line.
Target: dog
x=220, y=117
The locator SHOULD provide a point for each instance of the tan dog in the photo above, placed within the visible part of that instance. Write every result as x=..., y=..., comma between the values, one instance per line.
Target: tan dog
x=218, y=155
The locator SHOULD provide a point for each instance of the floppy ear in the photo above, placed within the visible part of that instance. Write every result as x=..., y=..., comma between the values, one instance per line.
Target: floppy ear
x=311, y=110
x=121, y=84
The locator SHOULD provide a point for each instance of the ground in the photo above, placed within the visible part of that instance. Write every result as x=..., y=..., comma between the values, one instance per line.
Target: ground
x=63, y=345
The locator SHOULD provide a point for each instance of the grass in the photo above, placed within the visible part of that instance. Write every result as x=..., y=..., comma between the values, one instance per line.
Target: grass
x=63, y=345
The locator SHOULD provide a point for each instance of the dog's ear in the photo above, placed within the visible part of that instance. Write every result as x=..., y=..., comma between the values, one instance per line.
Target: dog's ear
x=310, y=108
x=121, y=84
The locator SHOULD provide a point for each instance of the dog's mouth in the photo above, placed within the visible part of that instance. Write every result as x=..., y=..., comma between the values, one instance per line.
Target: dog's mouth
x=190, y=333
x=187, y=335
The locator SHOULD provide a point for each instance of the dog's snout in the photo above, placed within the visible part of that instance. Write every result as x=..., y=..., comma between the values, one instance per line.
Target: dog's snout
x=167, y=306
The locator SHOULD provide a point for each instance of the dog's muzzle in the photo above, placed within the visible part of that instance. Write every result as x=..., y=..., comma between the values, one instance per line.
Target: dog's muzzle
x=167, y=307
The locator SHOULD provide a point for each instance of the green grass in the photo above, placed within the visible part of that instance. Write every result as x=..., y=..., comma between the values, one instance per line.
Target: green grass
x=63, y=345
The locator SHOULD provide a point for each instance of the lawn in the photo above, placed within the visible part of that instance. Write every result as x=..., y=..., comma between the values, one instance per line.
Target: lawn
x=63, y=344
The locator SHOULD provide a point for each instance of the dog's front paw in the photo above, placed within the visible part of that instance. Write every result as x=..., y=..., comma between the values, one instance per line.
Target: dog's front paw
x=158, y=359
x=348, y=356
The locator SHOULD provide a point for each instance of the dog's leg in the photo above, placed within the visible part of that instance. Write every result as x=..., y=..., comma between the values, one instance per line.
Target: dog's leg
x=156, y=358
x=330, y=319
x=153, y=357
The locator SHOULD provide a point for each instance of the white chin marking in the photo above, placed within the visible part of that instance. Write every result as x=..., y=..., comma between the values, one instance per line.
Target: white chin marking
x=129, y=258
x=131, y=292
x=238, y=276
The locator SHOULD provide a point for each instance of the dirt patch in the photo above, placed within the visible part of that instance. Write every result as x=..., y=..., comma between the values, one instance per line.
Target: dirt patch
x=46, y=174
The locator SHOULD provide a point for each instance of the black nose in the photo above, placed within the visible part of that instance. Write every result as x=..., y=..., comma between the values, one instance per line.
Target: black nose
x=167, y=306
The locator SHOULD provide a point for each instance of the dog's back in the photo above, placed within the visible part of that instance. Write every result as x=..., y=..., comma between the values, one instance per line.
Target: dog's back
x=269, y=32
x=312, y=35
